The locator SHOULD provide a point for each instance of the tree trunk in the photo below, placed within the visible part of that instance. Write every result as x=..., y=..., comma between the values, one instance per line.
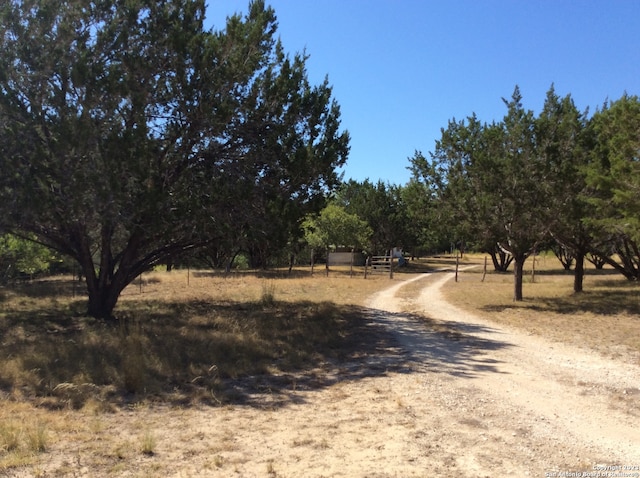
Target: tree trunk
x=596, y=260
x=102, y=302
x=104, y=285
x=326, y=264
x=229, y=264
x=501, y=260
x=518, y=270
x=578, y=273
x=564, y=255
x=292, y=258
x=494, y=259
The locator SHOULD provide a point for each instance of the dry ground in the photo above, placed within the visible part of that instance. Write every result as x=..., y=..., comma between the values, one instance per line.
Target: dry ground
x=428, y=390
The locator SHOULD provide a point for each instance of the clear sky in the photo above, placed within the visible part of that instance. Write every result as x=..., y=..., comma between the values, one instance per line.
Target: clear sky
x=401, y=69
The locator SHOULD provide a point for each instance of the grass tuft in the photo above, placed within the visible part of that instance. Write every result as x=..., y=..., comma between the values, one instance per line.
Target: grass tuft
x=268, y=297
x=148, y=443
x=10, y=435
x=271, y=469
x=134, y=348
x=37, y=437
x=218, y=461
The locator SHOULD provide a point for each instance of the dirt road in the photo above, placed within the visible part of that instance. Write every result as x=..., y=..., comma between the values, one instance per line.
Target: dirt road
x=461, y=397
x=439, y=393
x=514, y=403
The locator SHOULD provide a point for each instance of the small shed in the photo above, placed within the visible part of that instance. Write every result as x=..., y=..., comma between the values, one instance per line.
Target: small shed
x=345, y=258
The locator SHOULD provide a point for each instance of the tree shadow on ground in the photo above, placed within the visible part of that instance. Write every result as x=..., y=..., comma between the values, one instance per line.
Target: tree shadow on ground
x=589, y=273
x=211, y=352
x=41, y=288
x=451, y=347
x=381, y=343
x=279, y=273
x=61, y=287
x=607, y=298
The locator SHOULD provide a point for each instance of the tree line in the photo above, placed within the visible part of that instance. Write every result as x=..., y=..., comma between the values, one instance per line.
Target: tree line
x=131, y=136
x=561, y=179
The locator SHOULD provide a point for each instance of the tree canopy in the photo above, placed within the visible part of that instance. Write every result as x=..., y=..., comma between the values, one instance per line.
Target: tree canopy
x=612, y=178
x=129, y=133
x=382, y=207
x=335, y=227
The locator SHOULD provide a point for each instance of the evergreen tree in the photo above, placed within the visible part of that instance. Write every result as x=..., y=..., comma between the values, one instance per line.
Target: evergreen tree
x=129, y=134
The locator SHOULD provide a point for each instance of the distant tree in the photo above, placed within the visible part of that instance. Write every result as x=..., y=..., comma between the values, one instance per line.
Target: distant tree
x=596, y=260
x=381, y=206
x=417, y=220
x=130, y=135
x=335, y=227
x=429, y=217
x=563, y=254
x=501, y=258
x=21, y=256
x=417, y=235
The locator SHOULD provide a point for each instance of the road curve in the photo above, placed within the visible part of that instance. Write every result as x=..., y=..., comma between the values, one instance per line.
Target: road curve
x=562, y=394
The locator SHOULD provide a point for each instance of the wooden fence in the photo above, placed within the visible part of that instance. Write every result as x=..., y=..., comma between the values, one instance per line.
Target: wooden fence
x=379, y=265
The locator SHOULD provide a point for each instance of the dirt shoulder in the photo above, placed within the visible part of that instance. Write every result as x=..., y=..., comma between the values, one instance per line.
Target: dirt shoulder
x=440, y=393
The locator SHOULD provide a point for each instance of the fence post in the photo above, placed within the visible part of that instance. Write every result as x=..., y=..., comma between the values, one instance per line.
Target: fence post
x=311, y=261
x=351, y=265
x=391, y=264
x=533, y=269
x=327, y=263
x=484, y=272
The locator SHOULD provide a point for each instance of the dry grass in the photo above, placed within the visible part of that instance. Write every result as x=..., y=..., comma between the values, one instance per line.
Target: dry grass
x=604, y=317
x=176, y=337
x=148, y=443
x=22, y=436
x=180, y=339
x=183, y=339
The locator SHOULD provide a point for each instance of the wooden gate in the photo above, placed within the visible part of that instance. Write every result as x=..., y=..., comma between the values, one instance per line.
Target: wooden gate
x=380, y=265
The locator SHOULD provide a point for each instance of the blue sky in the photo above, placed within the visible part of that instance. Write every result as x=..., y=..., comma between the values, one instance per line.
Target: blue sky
x=401, y=69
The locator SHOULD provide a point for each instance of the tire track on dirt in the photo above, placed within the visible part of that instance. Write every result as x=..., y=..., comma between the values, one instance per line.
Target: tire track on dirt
x=560, y=394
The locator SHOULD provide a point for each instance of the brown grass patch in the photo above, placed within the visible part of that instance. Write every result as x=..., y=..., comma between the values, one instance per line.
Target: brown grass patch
x=178, y=336
x=181, y=339
x=78, y=394
x=604, y=317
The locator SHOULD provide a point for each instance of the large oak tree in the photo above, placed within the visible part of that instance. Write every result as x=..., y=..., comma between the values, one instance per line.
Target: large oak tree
x=129, y=133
